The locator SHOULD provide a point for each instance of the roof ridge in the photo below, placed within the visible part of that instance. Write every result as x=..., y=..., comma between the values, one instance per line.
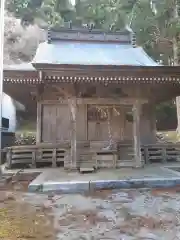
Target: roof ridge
x=93, y=35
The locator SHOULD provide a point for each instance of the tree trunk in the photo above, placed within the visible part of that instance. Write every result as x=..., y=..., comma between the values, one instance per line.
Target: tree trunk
x=175, y=57
x=178, y=114
x=176, y=63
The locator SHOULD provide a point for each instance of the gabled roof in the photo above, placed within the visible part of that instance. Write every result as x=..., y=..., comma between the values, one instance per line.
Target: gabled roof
x=85, y=56
x=91, y=53
x=91, y=47
x=82, y=46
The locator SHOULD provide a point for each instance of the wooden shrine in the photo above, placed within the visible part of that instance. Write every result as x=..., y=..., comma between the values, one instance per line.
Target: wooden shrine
x=95, y=95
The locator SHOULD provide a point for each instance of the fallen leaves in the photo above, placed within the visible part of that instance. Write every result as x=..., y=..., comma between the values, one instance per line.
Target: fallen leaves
x=20, y=221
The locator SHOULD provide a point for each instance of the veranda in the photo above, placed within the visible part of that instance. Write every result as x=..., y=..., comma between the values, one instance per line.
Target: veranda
x=95, y=93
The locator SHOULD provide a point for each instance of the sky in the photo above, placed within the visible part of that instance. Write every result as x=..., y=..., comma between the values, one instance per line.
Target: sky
x=73, y=2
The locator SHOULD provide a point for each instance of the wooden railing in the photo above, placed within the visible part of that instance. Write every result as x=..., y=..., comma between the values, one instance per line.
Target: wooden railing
x=126, y=155
x=59, y=154
x=34, y=154
x=161, y=152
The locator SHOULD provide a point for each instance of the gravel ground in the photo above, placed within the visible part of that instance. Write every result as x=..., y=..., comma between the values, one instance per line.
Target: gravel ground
x=106, y=215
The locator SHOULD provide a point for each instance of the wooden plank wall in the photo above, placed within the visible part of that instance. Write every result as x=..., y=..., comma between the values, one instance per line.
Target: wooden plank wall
x=148, y=124
x=55, y=123
x=121, y=129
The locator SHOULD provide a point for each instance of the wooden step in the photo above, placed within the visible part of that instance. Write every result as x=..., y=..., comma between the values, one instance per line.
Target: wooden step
x=87, y=162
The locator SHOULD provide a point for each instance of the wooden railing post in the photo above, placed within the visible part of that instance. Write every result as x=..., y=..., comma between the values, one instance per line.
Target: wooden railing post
x=34, y=158
x=164, y=154
x=9, y=158
x=54, y=164
x=146, y=154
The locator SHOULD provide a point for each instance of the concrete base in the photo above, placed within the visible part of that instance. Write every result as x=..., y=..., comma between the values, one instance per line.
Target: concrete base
x=60, y=187
x=154, y=176
x=87, y=186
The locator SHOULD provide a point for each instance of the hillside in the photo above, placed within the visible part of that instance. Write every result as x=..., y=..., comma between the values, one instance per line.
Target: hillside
x=20, y=42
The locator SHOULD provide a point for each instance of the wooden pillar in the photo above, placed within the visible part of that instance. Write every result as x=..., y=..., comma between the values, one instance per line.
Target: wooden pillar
x=38, y=123
x=73, y=112
x=86, y=122
x=178, y=114
x=148, y=124
x=136, y=134
x=152, y=118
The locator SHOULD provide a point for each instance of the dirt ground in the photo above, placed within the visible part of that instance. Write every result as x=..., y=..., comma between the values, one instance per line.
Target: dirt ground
x=102, y=215
x=105, y=215
x=19, y=218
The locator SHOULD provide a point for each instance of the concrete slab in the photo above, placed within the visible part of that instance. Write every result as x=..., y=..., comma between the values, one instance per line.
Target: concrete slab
x=57, y=179
x=153, y=176
x=60, y=187
x=66, y=187
x=135, y=183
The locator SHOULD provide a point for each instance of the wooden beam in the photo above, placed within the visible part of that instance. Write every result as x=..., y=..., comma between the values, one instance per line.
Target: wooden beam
x=109, y=101
x=143, y=70
x=98, y=101
x=38, y=124
x=61, y=90
x=136, y=134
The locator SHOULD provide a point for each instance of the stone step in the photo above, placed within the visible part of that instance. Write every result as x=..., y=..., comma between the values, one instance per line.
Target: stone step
x=87, y=167
x=86, y=170
x=125, y=163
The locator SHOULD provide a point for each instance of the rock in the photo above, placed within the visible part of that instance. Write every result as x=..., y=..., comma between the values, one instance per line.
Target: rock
x=47, y=205
x=18, y=186
x=6, y=196
x=2, y=197
x=121, y=197
x=109, y=215
x=51, y=196
x=146, y=235
x=10, y=196
x=127, y=230
x=125, y=237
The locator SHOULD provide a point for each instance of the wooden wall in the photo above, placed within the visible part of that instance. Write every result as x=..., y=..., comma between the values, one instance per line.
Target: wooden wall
x=56, y=126
x=55, y=123
x=148, y=124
